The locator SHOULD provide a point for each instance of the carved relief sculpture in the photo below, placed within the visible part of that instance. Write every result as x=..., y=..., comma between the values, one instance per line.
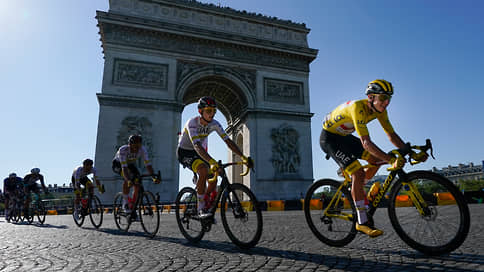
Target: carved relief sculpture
x=285, y=150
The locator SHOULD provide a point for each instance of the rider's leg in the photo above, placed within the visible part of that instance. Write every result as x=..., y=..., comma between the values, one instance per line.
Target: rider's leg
x=358, y=194
x=371, y=172
x=7, y=198
x=202, y=171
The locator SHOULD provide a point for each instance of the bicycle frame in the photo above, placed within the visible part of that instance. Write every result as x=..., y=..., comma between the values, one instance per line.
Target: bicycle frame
x=414, y=194
x=224, y=184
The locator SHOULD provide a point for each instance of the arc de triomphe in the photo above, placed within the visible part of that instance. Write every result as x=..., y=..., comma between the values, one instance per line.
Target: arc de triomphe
x=161, y=55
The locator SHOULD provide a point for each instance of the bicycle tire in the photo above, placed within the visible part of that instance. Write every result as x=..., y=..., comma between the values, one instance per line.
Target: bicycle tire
x=78, y=218
x=149, y=214
x=237, y=209
x=41, y=211
x=29, y=217
x=443, y=227
x=331, y=230
x=187, y=215
x=121, y=219
x=96, y=211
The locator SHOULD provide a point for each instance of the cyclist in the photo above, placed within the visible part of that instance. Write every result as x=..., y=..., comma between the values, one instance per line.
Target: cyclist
x=192, y=150
x=30, y=185
x=79, y=177
x=124, y=165
x=337, y=141
x=10, y=190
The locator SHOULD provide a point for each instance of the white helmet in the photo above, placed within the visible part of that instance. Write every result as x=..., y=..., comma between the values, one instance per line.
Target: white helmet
x=35, y=171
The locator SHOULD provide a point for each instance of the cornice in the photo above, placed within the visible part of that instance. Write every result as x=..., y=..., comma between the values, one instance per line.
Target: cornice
x=201, y=33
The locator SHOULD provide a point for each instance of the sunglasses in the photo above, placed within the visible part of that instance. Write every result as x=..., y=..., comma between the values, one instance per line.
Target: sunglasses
x=384, y=97
x=210, y=110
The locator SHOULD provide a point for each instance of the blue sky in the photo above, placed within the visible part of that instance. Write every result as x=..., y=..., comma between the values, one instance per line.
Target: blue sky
x=432, y=51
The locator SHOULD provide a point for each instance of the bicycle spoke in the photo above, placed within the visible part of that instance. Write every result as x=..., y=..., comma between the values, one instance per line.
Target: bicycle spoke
x=444, y=223
x=149, y=214
x=187, y=216
x=241, y=216
x=96, y=211
x=329, y=212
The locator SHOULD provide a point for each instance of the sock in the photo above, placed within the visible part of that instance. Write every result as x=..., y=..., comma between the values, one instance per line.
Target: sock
x=361, y=211
x=125, y=199
x=201, y=201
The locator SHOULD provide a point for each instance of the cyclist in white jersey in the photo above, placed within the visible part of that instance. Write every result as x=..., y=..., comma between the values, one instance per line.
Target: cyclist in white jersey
x=192, y=150
x=124, y=165
x=79, y=177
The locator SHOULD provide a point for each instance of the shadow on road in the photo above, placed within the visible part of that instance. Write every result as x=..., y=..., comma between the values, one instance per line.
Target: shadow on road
x=417, y=260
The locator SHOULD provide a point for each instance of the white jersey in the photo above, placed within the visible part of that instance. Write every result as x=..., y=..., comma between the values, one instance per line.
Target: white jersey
x=124, y=156
x=80, y=172
x=194, y=132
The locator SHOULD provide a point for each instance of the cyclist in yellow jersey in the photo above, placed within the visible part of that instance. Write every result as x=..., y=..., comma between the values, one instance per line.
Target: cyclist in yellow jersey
x=338, y=142
x=192, y=150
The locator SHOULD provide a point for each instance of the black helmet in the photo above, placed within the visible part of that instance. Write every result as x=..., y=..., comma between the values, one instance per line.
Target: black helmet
x=206, y=101
x=379, y=86
x=135, y=139
x=87, y=162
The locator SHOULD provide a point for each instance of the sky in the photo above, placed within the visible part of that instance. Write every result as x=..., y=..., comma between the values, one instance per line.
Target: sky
x=51, y=67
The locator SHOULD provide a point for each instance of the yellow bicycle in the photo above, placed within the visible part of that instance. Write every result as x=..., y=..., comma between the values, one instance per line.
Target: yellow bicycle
x=426, y=209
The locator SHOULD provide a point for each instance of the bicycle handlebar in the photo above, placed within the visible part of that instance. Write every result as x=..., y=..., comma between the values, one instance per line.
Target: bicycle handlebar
x=410, y=150
x=225, y=165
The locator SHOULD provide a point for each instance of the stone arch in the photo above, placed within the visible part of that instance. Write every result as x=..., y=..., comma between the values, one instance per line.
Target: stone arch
x=160, y=56
x=234, y=93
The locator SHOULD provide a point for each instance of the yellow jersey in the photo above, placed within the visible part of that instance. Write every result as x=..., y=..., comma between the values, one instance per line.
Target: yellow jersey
x=354, y=115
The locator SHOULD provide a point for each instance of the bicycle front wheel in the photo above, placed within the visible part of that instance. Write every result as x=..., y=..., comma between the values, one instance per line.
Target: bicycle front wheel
x=77, y=215
x=330, y=212
x=149, y=214
x=121, y=219
x=41, y=211
x=429, y=213
x=187, y=215
x=96, y=211
x=241, y=215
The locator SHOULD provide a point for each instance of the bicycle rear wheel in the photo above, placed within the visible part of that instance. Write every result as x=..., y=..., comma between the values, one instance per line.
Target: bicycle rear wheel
x=77, y=216
x=41, y=211
x=187, y=215
x=121, y=219
x=330, y=212
x=96, y=211
x=435, y=224
x=149, y=214
x=29, y=217
x=241, y=215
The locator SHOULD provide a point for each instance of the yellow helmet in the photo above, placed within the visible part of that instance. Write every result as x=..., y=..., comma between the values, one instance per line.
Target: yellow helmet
x=379, y=86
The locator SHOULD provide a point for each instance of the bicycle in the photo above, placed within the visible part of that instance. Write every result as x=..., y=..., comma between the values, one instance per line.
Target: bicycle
x=413, y=209
x=238, y=209
x=88, y=205
x=146, y=206
x=36, y=208
x=16, y=207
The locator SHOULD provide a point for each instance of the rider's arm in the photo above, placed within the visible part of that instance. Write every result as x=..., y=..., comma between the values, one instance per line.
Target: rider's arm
x=396, y=140
x=125, y=173
x=41, y=178
x=233, y=147
x=201, y=151
x=369, y=146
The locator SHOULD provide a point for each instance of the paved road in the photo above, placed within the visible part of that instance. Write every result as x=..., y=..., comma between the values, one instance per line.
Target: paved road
x=286, y=245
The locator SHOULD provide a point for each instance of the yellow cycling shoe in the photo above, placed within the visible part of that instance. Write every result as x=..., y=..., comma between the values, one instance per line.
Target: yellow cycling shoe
x=370, y=231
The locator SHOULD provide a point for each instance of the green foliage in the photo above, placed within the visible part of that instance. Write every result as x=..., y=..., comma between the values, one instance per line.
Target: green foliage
x=470, y=185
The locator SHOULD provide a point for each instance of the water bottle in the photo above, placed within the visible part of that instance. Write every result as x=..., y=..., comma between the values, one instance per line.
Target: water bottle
x=84, y=203
x=373, y=192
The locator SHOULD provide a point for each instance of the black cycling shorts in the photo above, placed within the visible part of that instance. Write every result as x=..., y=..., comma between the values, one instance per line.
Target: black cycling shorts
x=187, y=157
x=343, y=149
x=116, y=166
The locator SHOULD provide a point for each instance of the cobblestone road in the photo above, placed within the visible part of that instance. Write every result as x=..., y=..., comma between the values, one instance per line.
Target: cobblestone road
x=286, y=245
